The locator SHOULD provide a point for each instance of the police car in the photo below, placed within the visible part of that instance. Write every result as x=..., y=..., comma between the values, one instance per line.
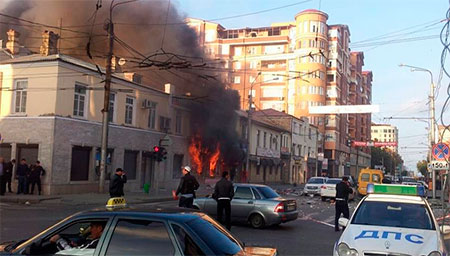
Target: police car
x=391, y=220
x=124, y=230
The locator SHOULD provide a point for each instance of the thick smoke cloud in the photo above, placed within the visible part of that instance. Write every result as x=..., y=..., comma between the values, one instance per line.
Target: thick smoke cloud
x=140, y=25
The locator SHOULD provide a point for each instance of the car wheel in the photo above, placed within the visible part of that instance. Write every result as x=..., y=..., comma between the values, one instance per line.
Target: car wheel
x=324, y=199
x=257, y=221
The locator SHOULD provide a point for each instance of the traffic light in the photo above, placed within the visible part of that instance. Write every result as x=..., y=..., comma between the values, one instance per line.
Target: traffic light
x=349, y=143
x=159, y=153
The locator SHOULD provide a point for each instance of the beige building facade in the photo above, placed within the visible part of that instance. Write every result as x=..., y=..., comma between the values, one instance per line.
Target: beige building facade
x=385, y=133
x=51, y=111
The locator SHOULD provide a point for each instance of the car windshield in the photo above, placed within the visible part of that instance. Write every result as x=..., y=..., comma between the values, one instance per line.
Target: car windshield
x=267, y=192
x=393, y=214
x=215, y=236
x=315, y=181
x=333, y=181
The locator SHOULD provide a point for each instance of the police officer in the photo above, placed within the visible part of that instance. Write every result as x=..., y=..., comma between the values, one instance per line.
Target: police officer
x=223, y=194
x=188, y=185
x=342, y=191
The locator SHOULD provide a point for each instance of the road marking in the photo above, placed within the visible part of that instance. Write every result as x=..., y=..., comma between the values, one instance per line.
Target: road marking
x=322, y=222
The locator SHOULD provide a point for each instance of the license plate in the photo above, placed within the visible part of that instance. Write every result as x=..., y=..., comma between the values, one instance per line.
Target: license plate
x=291, y=207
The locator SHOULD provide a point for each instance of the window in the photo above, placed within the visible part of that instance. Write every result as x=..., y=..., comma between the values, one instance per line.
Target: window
x=164, y=124
x=237, y=51
x=129, y=106
x=264, y=139
x=147, y=237
x=79, y=170
x=177, y=163
x=79, y=101
x=21, y=86
x=178, y=122
x=130, y=163
x=270, y=141
x=253, y=64
x=187, y=245
x=112, y=105
x=251, y=50
x=152, y=116
x=257, y=138
x=365, y=177
x=237, y=79
x=243, y=193
x=237, y=65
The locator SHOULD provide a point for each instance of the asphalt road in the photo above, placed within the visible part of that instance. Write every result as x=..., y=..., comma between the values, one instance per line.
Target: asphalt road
x=311, y=234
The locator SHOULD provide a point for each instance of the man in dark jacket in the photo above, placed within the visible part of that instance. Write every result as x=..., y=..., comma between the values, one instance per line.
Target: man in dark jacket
x=2, y=177
x=117, y=182
x=35, y=177
x=23, y=171
x=8, y=170
x=223, y=194
x=342, y=191
x=188, y=185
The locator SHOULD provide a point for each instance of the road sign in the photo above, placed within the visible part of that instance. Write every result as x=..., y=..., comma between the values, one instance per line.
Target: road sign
x=438, y=165
x=440, y=151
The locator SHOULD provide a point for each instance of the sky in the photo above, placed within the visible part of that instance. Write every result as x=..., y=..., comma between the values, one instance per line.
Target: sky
x=398, y=91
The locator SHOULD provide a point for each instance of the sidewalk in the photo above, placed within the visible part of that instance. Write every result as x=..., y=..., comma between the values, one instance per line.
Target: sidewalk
x=95, y=198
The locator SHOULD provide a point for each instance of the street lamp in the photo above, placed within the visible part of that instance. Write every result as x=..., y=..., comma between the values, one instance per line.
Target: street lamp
x=432, y=117
x=250, y=103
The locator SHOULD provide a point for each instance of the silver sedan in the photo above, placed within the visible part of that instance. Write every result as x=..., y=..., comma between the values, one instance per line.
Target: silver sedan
x=258, y=205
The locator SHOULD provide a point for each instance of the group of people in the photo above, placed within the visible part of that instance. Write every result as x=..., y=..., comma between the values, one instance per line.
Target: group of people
x=223, y=194
x=28, y=176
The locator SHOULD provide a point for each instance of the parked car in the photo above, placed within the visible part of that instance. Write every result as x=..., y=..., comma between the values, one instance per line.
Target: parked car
x=313, y=185
x=136, y=231
x=258, y=205
x=328, y=190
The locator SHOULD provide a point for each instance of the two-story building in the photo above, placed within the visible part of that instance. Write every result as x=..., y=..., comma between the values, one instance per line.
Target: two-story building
x=51, y=111
x=303, y=145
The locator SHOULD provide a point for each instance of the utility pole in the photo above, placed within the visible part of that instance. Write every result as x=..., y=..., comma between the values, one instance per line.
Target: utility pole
x=250, y=104
x=105, y=110
x=432, y=119
x=317, y=152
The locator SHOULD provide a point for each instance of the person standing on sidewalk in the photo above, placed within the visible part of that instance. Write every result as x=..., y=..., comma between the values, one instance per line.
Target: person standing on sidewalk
x=8, y=170
x=117, y=183
x=2, y=177
x=188, y=185
x=35, y=177
x=223, y=194
x=22, y=172
x=342, y=191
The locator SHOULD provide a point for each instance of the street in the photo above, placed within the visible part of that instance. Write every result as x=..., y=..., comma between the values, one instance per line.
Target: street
x=311, y=234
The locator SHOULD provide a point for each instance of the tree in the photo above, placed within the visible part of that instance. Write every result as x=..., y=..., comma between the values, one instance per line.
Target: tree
x=422, y=167
x=390, y=160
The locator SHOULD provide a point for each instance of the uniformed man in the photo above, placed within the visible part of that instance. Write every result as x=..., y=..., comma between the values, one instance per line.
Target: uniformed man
x=223, y=194
x=187, y=187
x=342, y=191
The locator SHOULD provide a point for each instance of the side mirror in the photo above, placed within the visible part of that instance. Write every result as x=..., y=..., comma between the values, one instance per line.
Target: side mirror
x=445, y=229
x=343, y=222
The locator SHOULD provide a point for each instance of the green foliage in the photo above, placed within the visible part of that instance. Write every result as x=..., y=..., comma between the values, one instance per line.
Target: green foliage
x=386, y=157
x=422, y=167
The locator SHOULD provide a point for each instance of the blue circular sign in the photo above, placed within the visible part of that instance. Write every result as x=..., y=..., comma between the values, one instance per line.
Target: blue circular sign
x=440, y=151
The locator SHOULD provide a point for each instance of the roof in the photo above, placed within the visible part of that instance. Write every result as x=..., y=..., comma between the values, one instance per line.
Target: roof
x=311, y=11
x=249, y=185
x=395, y=198
x=170, y=213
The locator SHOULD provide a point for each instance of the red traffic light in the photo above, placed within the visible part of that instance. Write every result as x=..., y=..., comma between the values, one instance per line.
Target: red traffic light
x=156, y=149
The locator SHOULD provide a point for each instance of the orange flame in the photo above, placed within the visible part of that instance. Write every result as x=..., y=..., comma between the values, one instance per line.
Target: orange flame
x=195, y=153
x=213, y=161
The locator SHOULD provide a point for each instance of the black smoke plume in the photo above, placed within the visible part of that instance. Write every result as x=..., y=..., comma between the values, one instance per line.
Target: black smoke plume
x=146, y=28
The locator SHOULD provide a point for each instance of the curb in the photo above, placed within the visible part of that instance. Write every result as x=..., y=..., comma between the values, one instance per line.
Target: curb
x=24, y=200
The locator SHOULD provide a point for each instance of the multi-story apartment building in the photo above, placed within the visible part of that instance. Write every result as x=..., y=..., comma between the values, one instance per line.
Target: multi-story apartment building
x=385, y=133
x=51, y=110
x=443, y=135
x=290, y=67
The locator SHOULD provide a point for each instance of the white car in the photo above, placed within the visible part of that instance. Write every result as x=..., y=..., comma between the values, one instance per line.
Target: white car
x=391, y=220
x=328, y=190
x=313, y=185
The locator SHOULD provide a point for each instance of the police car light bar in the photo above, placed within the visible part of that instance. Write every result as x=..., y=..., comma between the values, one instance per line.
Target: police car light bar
x=394, y=189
